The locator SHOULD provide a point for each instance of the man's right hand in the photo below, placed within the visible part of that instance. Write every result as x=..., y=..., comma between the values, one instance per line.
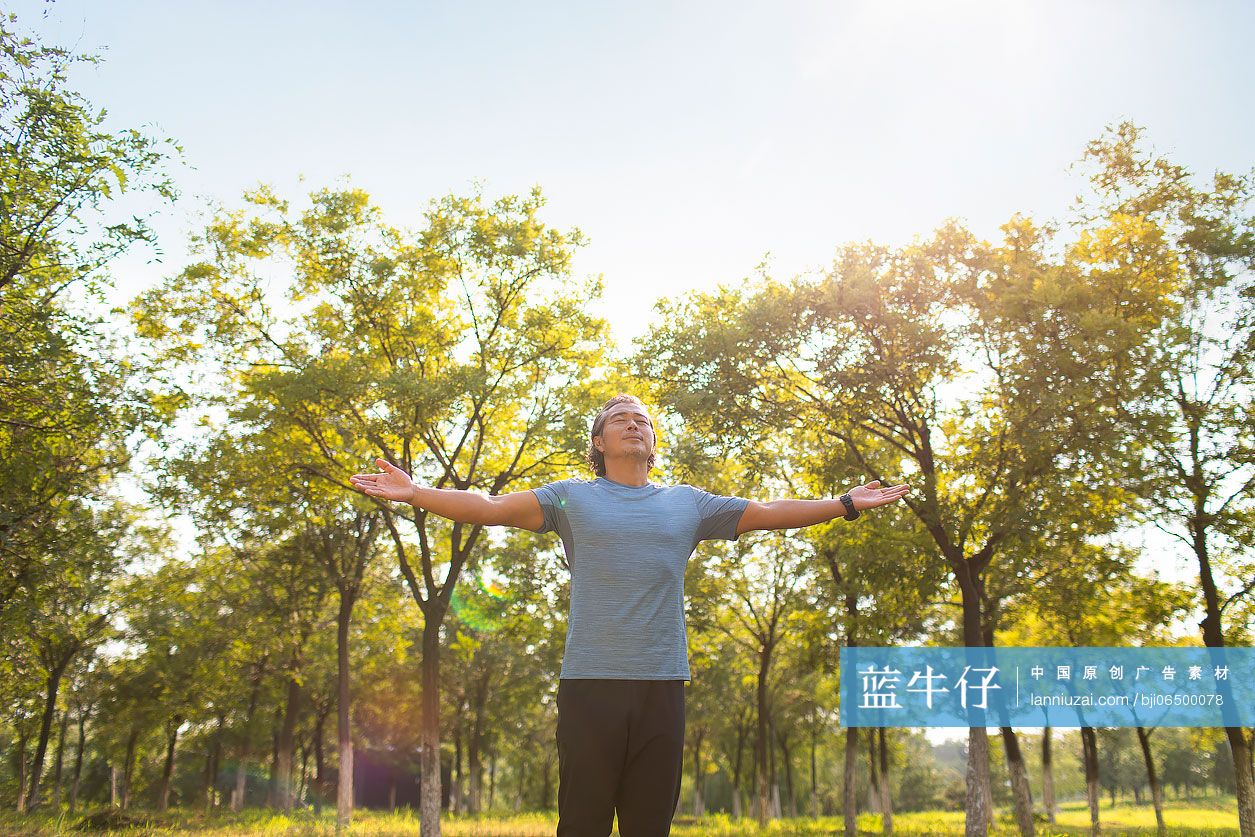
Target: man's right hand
x=391, y=483
x=520, y=509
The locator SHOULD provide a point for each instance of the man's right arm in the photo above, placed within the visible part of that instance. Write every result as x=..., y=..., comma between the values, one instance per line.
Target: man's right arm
x=520, y=509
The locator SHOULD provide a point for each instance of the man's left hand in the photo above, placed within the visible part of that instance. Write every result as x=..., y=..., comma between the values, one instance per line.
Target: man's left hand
x=871, y=495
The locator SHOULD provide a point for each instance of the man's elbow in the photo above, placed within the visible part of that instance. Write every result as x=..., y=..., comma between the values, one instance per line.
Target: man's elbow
x=494, y=512
x=520, y=510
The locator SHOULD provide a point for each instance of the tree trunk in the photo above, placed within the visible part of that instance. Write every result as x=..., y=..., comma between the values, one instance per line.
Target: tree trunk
x=272, y=790
x=814, y=768
x=344, y=734
x=849, y=788
x=320, y=759
x=213, y=764
x=521, y=774
x=475, y=780
x=492, y=780
x=775, y=779
x=1245, y=747
x=753, y=786
x=128, y=769
x=976, y=821
x=1244, y=779
x=546, y=784
x=1020, y=790
x=59, y=760
x=1156, y=793
x=207, y=780
x=241, y=765
x=45, y=729
x=167, y=770
x=78, y=758
x=114, y=798
x=1213, y=637
x=241, y=788
x=22, y=738
x=455, y=792
x=286, y=745
x=849, y=791
x=741, y=730
x=1089, y=746
x=1047, y=777
x=873, y=772
x=886, y=790
x=699, y=805
x=978, y=808
x=787, y=755
x=303, y=795
x=429, y=734
x=763, y=742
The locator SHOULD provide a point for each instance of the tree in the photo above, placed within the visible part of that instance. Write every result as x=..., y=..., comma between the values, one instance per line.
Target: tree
x=69, y=612
x=243, y=480
x=984, y=373
x=1192, y=405
x=435, y=349
x=1092, y=598
x=69, y=401
x=59, y=170
x=882, y=590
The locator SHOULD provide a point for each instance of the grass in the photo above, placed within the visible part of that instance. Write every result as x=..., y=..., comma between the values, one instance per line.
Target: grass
x=1212, y=817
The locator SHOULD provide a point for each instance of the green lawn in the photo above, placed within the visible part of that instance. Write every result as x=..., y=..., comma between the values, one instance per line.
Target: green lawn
x=1211, y=816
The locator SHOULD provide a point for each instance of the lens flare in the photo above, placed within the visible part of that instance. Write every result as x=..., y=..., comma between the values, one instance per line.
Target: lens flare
x=480, y=603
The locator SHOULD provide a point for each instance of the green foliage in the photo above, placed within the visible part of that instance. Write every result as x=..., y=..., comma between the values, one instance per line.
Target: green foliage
x=59, y=171
x=69, y=400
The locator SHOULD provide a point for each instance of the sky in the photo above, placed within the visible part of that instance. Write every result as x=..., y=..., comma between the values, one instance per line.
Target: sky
x=689, y=141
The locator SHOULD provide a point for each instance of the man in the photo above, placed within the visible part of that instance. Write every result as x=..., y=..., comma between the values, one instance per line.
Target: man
x=621, y=691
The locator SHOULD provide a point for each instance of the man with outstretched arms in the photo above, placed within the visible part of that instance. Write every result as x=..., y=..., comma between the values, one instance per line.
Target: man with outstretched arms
x=627, y=540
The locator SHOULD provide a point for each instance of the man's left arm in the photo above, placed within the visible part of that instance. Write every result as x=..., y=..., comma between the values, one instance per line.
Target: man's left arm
x=794, y=514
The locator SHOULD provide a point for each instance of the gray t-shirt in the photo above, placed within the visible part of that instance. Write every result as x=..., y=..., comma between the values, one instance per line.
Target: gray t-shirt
x=627, y=547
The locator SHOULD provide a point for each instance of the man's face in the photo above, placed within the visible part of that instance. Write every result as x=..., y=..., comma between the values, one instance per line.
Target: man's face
x=628, y=430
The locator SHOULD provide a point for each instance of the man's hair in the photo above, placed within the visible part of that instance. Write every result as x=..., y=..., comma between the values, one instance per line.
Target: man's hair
x=595, y=458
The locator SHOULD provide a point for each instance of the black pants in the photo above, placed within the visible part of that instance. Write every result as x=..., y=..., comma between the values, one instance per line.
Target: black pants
x=620, y=747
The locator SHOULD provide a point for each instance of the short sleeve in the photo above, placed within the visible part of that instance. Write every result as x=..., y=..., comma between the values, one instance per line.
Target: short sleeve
x=719, y=515
x=553, y=499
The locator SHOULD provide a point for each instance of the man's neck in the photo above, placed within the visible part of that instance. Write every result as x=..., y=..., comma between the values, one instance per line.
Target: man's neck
x=627, y=472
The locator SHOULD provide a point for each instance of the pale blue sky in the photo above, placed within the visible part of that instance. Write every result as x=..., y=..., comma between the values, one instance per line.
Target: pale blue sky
x=685, y=139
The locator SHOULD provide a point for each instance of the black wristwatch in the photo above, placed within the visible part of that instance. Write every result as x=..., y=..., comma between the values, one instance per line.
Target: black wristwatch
x=850, y=512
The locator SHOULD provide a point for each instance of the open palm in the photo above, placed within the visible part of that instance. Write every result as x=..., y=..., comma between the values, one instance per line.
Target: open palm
x=391, y=483
x=870, y=496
